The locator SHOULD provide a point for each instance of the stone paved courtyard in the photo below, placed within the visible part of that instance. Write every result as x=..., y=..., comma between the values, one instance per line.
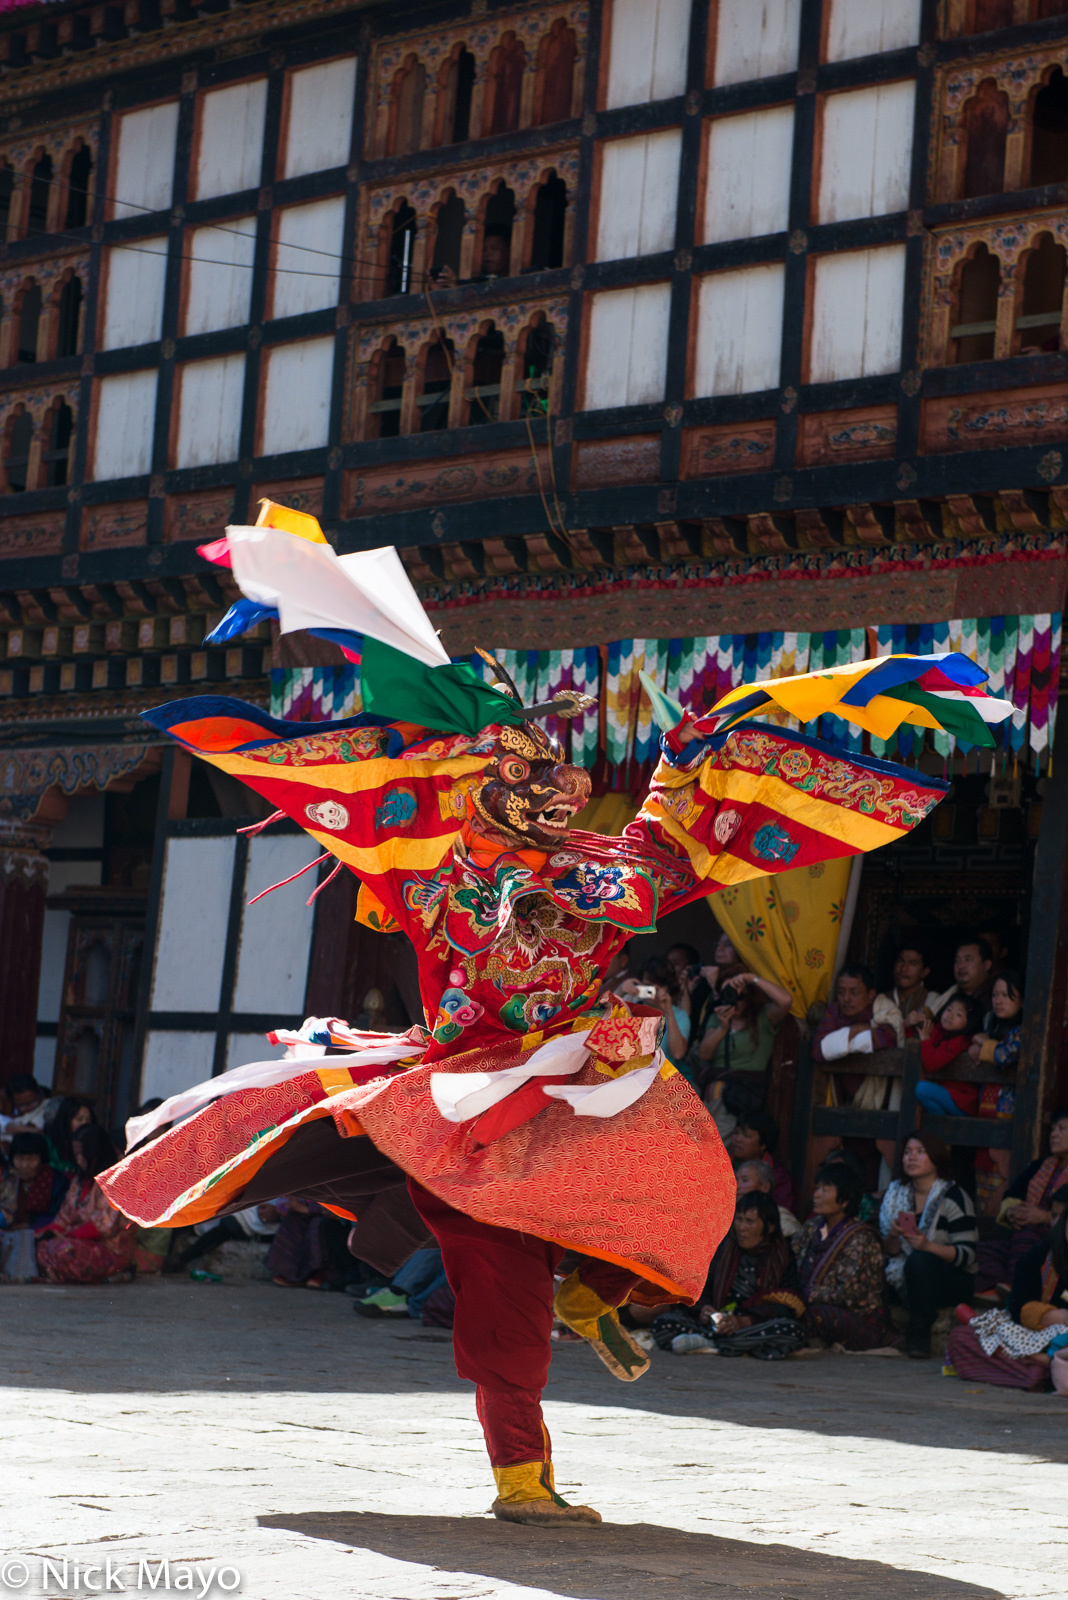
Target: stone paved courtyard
x=320, y=1454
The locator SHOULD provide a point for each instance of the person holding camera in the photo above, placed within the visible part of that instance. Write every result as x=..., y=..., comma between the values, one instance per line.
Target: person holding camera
x=740, y=1037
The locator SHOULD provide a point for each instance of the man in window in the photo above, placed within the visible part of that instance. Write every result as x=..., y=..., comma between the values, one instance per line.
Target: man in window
x=496, y=253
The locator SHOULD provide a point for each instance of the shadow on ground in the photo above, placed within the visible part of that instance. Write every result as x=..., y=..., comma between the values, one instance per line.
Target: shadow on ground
x=623, y=1562
x=178, y=1337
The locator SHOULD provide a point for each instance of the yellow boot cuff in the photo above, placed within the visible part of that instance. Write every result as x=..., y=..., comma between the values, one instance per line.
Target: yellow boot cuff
x=580, y=1307
x=530, y=1480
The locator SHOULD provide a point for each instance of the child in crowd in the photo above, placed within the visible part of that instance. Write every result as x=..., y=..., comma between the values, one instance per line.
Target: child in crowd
x=30, y=1194
x=943, y=1041
x=1000, y=1045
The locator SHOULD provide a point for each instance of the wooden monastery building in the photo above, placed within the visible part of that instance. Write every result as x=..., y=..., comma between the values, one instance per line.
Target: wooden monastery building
x=723, y=337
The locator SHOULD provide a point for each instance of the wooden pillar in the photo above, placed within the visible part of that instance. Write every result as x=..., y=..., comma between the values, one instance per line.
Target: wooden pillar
x=23, y=888
x=1045, y=1013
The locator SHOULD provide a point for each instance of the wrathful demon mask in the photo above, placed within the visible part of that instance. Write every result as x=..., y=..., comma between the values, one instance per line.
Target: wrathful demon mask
x=529, y=795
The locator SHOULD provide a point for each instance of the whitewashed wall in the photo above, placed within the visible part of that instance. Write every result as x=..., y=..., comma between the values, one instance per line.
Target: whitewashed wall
x=648, y=44
x=756, y=38
x=191, y=942
x=144, y=169
x=865, y=27
x=866, y=151
x=273, y=953
x=272, y=963
x=133, y=306
x=230, y=145
x=739, y=331
x=319, y=132
x=125, y=419
x=626, y=359
x=857, y=309
x=220, y=276
x=296, y=408
x=307, y=257
x=209, y=411
x=639, y=195
x=747, y=190
x=174, y=1061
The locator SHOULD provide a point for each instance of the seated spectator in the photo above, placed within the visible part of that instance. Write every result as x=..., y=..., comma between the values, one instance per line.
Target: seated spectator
x=693, y=981
x=31, y=1108
x=841, y=1266
x=751, y=1303
x=929, y=1236
x=420, y=1282
x=1000, y=1044
x=758, y=1175
x=943, y=1041
x=297, y=1257
x=910, y=993
x=754, y=1137
x=1012, y=1348
x=857, y=1021
x=1026, y=1214
x=973, y=963
x=89, y=1241
x=72, y=1113
x=256, y=1223
x=740, y=1038
x=31, y=1191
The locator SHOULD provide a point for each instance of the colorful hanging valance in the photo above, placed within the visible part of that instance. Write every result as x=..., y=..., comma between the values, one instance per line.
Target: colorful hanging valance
x=1021, y=654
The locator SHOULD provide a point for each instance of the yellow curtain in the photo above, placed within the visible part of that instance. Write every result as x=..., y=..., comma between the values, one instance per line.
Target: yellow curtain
x=786, y=927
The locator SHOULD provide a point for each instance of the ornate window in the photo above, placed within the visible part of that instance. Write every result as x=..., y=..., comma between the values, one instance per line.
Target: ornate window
x=384, y=420
x=986, y=127
x=401, y=232
x=60, y=422
x=557, y=55
x=537, y=346
x=409, y=95
x=40, y=189
x=1038, y=326
x=7, y=187
x=977, y=307
x=436, y=386
x=17, y=454
x=81, y=166
x=508, y=64
x=69, y=329
x=1049, y=131
x=449, y=234
x=29, y=321
x=547, y=238
x=483, y=394
x=498, y=220
x=457, y=82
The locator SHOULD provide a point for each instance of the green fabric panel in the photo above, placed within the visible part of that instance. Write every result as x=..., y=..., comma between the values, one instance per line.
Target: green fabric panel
x=449, y=699
x=963, y=721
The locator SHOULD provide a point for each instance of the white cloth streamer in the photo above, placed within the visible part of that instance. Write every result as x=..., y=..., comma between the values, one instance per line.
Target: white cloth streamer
x=609, y=1098
x=459, y=1096
x=256, y=1075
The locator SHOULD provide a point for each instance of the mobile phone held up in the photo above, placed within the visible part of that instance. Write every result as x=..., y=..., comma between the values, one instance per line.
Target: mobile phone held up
x=645, y=991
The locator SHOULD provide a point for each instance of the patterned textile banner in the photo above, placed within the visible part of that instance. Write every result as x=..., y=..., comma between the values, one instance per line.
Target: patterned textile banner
x=1021, y=653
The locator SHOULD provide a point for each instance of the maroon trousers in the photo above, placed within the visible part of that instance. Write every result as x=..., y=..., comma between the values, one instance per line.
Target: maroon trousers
x=503, y=1283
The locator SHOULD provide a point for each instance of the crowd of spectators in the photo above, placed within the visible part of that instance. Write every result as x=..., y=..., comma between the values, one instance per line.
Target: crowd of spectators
x=871, y=1268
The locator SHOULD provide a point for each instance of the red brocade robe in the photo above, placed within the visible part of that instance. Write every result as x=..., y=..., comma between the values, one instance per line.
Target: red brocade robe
x=512, y=948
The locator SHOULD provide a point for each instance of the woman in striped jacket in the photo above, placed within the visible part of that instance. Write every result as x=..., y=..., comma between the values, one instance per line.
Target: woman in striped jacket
x=929, y=1235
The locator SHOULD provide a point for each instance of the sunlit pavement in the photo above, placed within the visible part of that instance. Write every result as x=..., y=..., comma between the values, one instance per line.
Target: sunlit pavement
x=272, y=1434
